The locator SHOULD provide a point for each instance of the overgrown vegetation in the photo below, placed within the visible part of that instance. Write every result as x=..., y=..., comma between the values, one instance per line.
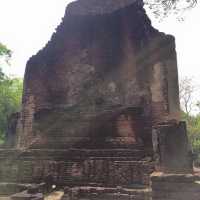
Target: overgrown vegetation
x=190, y=105
x=10, y=93
x=193, y=129
x=193, y=126
x=163, y=8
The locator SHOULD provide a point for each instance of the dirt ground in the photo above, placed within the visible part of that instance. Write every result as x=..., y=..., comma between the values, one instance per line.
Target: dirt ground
x=4, y=198
x=57, y=195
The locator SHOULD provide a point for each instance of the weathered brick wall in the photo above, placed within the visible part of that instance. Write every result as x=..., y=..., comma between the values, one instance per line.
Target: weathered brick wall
x=112, y=59
x=102, y=167
x=91, y=98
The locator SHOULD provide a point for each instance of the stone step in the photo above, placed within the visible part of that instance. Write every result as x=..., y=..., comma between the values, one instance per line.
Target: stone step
x=19, y=191
x=55, y=142
x=8, y=153
x=26, y=196
x=100, y=170
x=5, y=198
x=138, y=192
x=112, y=173
x=67, y=153
x=12, y=188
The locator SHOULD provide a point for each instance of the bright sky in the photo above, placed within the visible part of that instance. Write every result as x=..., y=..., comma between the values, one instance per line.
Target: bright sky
x=27, y=25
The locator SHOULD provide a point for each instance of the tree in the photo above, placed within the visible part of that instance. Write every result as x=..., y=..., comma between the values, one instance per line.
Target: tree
x=10, y=93
x=186, y=92
x=10, y=101
x=190, y=114
x=193, y=129
x=5, y=55
x=4, y=51
x=162, y=8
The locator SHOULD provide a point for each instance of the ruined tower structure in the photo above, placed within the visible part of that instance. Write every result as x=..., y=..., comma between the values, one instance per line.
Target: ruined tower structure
x=93, y=97
x=104, y=68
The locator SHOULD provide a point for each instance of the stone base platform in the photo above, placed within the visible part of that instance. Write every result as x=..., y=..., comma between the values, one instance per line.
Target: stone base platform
x=7, y=189
x=76, y=167
x=175, y=186
x=17, y=191
x=102, y=193
x=26, y=196
x=136, y=192
x=88, y=173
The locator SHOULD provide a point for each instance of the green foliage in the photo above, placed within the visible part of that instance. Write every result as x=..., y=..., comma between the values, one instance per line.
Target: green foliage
x=193, y=128
x=5, y=55
x=10, y=94
x=4, y=51
x=10, y=101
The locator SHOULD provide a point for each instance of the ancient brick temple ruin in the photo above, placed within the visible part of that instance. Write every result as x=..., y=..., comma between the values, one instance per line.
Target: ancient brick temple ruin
x=100, y=112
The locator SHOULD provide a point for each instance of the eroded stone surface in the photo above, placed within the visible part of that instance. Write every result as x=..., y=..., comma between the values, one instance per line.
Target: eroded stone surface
x=9, y=188
x=76, y=167
x=26, y=196
x=102, y=193
x=172, y=148
x=173, y=186
x=95, y=7
x=105, y=56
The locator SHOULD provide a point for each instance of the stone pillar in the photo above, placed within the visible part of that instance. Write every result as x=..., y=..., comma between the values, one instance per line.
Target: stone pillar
x=174, y=179
x=172, y=149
